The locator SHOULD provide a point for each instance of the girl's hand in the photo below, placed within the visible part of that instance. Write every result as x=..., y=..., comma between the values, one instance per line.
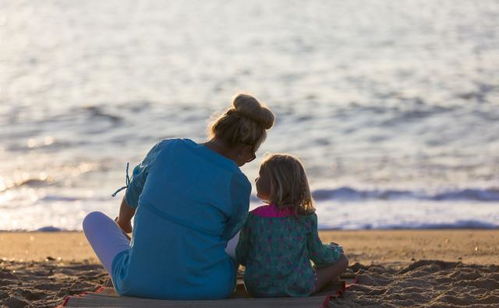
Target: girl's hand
x=125, y=226
x=340, y=248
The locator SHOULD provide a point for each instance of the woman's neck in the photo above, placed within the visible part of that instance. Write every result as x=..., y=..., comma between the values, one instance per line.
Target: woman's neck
x=221, y=148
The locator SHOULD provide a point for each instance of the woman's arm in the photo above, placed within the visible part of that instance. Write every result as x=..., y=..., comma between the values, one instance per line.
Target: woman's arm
x=242, y=248
x=124, y=219
x=240, y=190
x=134, y=189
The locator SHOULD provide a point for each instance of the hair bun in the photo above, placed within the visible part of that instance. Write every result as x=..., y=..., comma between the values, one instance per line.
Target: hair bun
x=250, y=107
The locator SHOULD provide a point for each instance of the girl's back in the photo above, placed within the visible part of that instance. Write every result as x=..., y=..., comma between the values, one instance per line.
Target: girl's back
x=276, y=247
x=279, y=240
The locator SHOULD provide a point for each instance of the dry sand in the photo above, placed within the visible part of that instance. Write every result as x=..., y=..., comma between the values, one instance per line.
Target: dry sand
x=434, y=268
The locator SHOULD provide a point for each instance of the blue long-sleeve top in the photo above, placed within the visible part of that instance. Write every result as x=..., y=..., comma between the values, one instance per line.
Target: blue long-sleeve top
x=189, y=202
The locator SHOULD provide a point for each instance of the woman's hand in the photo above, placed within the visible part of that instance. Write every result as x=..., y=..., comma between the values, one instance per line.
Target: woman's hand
x=124, y=219
x=126, y=226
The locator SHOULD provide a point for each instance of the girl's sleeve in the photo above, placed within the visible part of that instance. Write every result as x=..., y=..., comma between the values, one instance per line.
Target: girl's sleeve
x=322, y=255
x=240, y=190
x=139, y=176
x=243, y=244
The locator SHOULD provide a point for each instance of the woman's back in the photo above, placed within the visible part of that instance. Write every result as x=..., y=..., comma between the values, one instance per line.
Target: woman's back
x=191, y=200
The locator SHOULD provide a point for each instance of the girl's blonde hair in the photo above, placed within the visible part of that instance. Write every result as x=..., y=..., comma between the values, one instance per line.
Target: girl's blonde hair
x=288, y=183
x=244, y=123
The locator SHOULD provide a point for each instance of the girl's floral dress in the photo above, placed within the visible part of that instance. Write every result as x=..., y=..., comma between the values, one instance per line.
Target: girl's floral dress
x=276, y=247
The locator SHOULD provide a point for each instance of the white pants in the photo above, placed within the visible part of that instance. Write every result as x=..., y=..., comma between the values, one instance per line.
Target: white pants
x=105, y=236
x=107, y=239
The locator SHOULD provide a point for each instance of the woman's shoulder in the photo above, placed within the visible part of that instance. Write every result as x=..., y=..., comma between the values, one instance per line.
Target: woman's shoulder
x=173, y=146
x=160, y=145
x=174, y=142
x=164, y=149
x=211, y=157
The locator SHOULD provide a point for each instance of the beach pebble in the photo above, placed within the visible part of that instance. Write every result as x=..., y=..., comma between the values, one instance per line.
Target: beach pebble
x=6, y=274
x=31, y=294
x=63, y=292
x=3, y=294
x=357, y=267
x=82, y=286
x=15, y=302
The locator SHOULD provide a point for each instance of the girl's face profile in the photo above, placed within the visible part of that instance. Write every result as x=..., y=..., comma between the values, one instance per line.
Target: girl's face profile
x=263, y=185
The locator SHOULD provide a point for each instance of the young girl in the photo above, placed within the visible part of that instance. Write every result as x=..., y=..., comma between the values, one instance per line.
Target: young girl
x=278, y=240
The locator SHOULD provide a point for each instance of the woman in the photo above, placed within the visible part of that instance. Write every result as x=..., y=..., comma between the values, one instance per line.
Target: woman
x=189, y=200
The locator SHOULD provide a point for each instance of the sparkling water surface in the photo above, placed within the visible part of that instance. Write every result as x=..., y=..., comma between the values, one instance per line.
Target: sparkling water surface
x=393, y=106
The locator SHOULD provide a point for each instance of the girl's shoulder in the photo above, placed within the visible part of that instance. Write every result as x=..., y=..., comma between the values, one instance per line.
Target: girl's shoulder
x=264, y=220
x=271, y=214
x=271, y=211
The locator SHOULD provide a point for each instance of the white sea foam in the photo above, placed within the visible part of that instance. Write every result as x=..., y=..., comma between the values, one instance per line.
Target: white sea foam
x=407, y=215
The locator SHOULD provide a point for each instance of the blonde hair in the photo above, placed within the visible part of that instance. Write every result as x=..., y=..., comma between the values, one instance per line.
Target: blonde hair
x=245, y=122
x=288, y=183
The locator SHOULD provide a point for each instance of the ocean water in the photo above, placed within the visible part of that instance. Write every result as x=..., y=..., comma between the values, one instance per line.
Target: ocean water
x=393, y=106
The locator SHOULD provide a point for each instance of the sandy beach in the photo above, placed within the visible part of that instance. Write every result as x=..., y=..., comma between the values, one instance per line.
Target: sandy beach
x=438, y=268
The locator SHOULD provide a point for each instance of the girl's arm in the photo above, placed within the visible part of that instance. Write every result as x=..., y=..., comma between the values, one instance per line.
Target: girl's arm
x=322, y=255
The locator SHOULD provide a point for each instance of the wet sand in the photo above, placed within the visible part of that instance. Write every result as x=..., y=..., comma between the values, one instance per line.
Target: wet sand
x=440, y=268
